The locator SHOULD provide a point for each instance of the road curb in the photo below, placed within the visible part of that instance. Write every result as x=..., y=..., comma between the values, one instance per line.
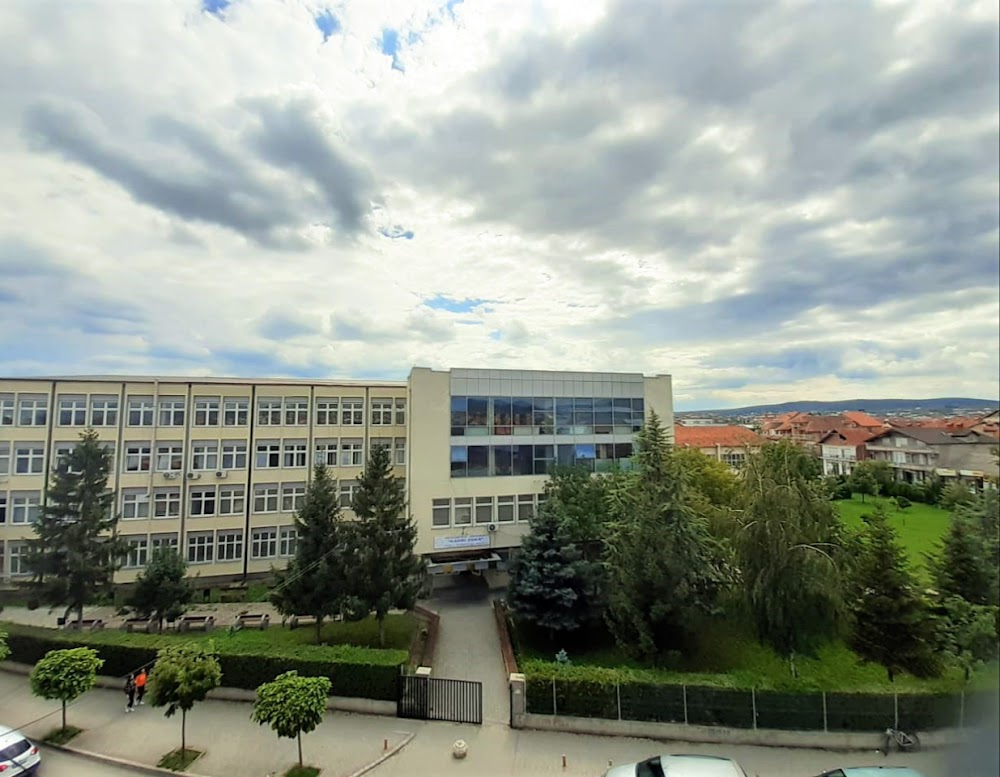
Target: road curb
x=108, y=759
x=385, y=756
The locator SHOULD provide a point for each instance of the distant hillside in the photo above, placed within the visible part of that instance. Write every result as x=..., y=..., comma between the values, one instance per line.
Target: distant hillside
x=879, y=407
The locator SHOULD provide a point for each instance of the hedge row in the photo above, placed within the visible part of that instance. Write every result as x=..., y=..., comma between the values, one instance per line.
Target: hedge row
x=248, y=670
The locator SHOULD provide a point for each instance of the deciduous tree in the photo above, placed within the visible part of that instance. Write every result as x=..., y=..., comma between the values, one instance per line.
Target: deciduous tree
x=292, y=705
x=182, y=676
x=161, y=590
x=63, y=675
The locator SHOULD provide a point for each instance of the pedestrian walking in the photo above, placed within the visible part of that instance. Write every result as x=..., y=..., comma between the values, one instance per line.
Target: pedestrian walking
x=140, y=685
x=130, y=692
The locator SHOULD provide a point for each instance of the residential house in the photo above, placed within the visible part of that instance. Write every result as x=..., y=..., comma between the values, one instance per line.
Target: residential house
x=917, y=454
x=841, y=449
x=728, y=444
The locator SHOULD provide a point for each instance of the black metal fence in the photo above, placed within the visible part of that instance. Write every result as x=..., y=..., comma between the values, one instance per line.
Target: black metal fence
x=437, y=698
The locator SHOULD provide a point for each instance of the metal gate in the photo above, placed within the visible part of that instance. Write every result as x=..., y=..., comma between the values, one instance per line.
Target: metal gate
x=436, y=698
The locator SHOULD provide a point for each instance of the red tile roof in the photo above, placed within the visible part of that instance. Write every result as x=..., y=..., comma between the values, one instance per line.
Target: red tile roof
x=710, y=436
x=846, y=437
x=862, y=419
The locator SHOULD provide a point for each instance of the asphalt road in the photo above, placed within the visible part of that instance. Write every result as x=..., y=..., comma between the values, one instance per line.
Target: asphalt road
x=56, y=764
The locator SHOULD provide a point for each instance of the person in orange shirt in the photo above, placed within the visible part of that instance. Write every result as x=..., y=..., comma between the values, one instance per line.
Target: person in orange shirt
x=140, y=684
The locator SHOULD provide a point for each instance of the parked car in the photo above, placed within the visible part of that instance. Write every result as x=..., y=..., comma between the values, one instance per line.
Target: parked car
x=18, y=755
x=679, y=766
x=872, y=771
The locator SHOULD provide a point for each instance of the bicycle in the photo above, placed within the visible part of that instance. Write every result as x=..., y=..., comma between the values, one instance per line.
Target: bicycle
x=906, y=743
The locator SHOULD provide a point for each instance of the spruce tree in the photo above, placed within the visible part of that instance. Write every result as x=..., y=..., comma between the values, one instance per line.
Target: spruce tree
x=162, y=590
x=962, y=566
x=389, y=574
x=76, y=553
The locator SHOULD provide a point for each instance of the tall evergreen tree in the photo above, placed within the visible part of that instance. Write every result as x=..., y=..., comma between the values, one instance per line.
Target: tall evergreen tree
x=316, y=580
x=77, y=552
x=962, y=565
x=583, y=507
x=162, y=590
x=390, y=575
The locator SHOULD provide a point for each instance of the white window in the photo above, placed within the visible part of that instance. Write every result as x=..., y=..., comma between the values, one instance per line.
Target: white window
x=4, y=458
x=169, y=457
x=25, y=506
x=263, y=543
x=382, y=442
x=163, y=541
x=135, y=503
x=400, y=412
x=269, y=411
x=265, y=498
x=137, y=457
x=206, y=411
x=352, y=453
x=326, y=453
x=289, y=541
x=29, y=458
x=17, y=554
x=3, y=507
x=232, y=500
x=381, y=412
x=6, y=409
x=200, y=547
x=171, y=411
x=399, y=451
x=205, y=456
x=463, y=510
x=268, y=454
x=327, y=411
x=166, y=503
x=104, y=411
x=138, y=551
x=202, y=501
x=484, y=509
x=441, y=512
x=505, y=509
x=352, y=411
x=234, y=454
x=347, y=490
x=229, y=545
x=140, y=411
x=296, y=411
x=236, y=411
x=295, y=453
x=61, y=457
x=292, y=497
x=72, y=411
x=32, y=410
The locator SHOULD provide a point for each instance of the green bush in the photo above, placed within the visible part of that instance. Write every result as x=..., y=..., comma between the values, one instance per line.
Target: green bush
x=790, y=711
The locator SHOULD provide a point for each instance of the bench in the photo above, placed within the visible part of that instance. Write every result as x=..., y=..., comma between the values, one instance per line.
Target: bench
x=150, y=626
x=248, y=621
x=93, y=624
x=196, y=623
x=301, y=620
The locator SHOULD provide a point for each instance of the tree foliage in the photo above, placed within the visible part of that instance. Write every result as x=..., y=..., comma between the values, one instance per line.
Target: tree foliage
x=583, y=508
x=63, y=675
x=962, y=566
x=4, y=650
x=161, y=590
x=871, y=477
x=182, y=676
x=292, y=705
x=954, y=495
x=966, y=633
x=388, y=573
x=793, y=458
x=713, y=490
x=76, y=551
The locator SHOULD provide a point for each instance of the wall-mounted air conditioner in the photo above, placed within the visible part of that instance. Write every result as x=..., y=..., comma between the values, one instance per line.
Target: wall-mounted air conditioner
x=170, y=475
x=194, y=475
x=221, y=473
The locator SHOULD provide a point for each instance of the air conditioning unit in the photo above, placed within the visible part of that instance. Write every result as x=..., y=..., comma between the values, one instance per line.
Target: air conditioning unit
x=194, y=475
x=492, y=527
x=170, y=475
x=221, y=473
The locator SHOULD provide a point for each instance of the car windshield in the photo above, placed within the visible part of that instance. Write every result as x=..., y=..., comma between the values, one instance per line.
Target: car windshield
x=649, y=768
x=11, y=752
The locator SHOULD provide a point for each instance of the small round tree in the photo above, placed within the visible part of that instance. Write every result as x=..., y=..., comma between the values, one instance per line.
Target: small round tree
x=182, y=676
x=292, y=705
x=65, y=675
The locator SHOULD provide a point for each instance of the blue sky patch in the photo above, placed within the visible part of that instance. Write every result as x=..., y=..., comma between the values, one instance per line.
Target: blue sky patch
x=328, y=24
x=214, y=7
x=389, y=46
x=496, y=335
x=451, y=5
x=451, y=305
x=396, y=232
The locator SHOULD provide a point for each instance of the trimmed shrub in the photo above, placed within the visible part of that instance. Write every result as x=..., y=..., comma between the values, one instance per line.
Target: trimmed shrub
x=719, y=707
x=790, y=711
x=859, y=712
x=649, y=701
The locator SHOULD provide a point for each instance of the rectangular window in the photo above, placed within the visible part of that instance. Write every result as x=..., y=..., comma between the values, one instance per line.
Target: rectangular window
x=326, y=453
x=265, y=498
x=400, y=411
x=327, y=411
x=166, y=503
x=295, y=453
x=463, y=510
x=206, y=411
x=352, y=411
x=441, y=512
x=138, y=457
x=543, y=415
x=459, y=415
x=459, y=461
x=296, y=411
x=140, y=411
x=163, y=541
x=169, y=457
x=503, y=415
x=521, y=411
x=229, y=545
x=525, y=507
x=17, y=553
x=263, y=543
x=505, y=509
x=205, y=456
x=33, y=410
x=347, y=490
x=236, y=411
x=25, y=506
x=232, y=500
x=135, y=504
x=3, y=507
x=479, y=461
x=72, y=411
x=381, y=412
x=234, y=454
x=104, y=411
x=269, y=411
x=138, y=552
x=502, y=461
x=352, y=453
x=4, y=458
x=484, y=509
x=292, y=497
x=171, y=411
x=202, y=501
x=399, y=451
x=61, y=459
x=268, y=455
x=200, y=546
x=382, y=442
x=289, y=541
x=478, y=416
x=29, y=458
x=6, y=409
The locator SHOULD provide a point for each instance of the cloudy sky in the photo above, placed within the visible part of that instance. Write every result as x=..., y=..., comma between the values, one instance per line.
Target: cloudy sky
x=768, y=200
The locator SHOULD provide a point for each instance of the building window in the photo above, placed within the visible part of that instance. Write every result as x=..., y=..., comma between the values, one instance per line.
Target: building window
x=171, y=411
x=295, y=453
x=72, y=411
x=137, y=457
x=33, y=411
x=463, y=510
x=236, y=411
x=163, y=541
x=135, y=504
x=140, y=411
x=200, y=547
x=138, y=552
x=61, y=458
x=734, y=460
x=6, y=409
x=505, y=509
x=269, y=411
x=441, y=512
x=263, y=543
x=525, y=507
x=326, y=453
x=400, y=412
x=399, y=451
x=166, y=503
x=381, y=412
x=229, y=545
x=3, y=507
x=206, y=411
x=479, y=461
x=382, y=442
x=347, y=490
x=25, y=506
x=459, y=461
x=289, y=541
x=205, y=456
x=202, y=501
x=29, y=458
x=4, y=458
x=169, y=457
x=292, y=497
x=296, y=411
x=484, y=509
x=268, y=455
x=265, y=498
x=353, y=411
x=17, y=554
x=352, y=453
x=327, y=411
x=234, y=454
x=232, y=500
x=104, y=411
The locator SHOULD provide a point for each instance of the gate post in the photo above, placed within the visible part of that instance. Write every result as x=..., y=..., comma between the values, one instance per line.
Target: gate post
x=518, y=700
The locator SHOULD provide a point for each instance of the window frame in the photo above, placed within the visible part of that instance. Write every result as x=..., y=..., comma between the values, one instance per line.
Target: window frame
x=72, y=410
x=327, y=411
x=143, y=454
x=207, y=408
x=292, y=497
x=33, y=456
x=264, y=538
x=207, y=499
x=28, y=504
x=105, y=408
x=296, y=411
x=232, y=500
x=172, y=452
x=266, y=492
x=228, y=545
x=170, y=410
x=381, y=411
x=231, y=453
x=288, y=540
x=269, y=411
x=137, y=498
x=205, y=456
x=271, y=449
x=237, y=408
x=32, y=410
x=140, y=411
x=294, y=454
x=167, y=497
x=204, y=541
x=352, y=411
